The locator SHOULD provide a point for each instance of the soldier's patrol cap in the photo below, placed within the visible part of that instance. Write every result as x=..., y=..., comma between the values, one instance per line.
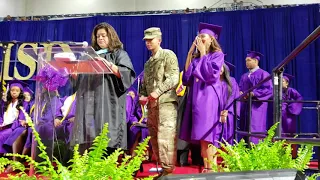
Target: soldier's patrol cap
x=152, y=33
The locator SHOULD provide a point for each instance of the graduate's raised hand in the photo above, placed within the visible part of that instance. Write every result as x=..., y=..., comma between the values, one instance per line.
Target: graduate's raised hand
x=223, y=119
x=193, y=46
x=224, y=113
x=153, y=96
x=57, y=122
x=223, y=116
x=143, y=100
x=23, y=123
x=71, y=119
x=201, y=46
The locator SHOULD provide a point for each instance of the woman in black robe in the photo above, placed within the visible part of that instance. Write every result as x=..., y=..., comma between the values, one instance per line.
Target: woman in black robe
x=101, y=98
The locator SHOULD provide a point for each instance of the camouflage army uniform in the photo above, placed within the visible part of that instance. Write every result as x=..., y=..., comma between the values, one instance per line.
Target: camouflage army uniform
x=161, y=75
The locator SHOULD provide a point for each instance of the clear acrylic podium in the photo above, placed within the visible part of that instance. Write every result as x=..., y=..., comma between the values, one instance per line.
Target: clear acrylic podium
x=77, y=73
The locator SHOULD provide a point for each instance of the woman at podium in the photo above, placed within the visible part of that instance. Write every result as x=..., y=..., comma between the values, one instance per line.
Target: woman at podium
x=101, y=98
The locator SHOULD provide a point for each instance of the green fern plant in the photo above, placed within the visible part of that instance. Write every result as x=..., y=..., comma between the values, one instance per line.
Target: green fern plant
x=266, y=155
x=91, y=165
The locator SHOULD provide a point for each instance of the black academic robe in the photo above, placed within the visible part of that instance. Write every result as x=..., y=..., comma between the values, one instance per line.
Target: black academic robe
x=181, y=144
x=102, y=99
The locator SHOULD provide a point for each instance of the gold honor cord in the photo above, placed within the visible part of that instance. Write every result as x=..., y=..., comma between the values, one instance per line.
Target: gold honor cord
x=42, y=110
x=32, y=109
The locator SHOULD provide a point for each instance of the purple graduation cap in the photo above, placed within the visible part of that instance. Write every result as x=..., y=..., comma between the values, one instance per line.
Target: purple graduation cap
x=17, y=83
x=28, y=90
x=287, y=77
x=132, y=89
x=210, y=29
x=255, y=55
x=230, y=67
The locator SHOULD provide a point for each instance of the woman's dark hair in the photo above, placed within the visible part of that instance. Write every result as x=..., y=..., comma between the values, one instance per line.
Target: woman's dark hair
x=9, y=100
x=214, y=47
x=226, y=77
x=114, y=41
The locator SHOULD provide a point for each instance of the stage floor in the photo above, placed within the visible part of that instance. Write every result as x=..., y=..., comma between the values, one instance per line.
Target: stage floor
x=192, y=169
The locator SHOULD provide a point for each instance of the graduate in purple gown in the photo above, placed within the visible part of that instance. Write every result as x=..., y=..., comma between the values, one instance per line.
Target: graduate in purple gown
x=202, y=75
x=63, y=131
x=130, y=104
x=12, y=116
x=15, y=142
x=28, y=99
x=230, y=91
x=49, y=109
x=29, y=106
x=290, y=110
x=137, y=129
x=264, y=92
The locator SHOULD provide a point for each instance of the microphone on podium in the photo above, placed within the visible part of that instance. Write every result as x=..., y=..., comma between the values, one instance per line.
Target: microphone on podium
x=84, y=44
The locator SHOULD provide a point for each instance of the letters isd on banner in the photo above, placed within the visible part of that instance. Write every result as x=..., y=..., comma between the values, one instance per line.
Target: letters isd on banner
x=25, y=59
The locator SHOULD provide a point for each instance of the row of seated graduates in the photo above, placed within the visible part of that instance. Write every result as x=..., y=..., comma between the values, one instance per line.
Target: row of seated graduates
x=54, y=124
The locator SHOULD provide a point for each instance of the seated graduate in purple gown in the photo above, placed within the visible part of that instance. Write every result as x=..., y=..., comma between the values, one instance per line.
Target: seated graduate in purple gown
x=230, y=91
x=137, y=128
x=290, y=110
x=49, y=114
x=63, y=131
x=202, y=75
x=264, y=92
x=12, y=117
x=28, y=99
x=130, y=102
x=29, y=107
x=16, y=141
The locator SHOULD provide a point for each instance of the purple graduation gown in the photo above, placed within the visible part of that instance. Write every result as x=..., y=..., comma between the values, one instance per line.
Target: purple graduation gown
x=259, y=109
x=129, y=107
x=136, y=116
x=5, y=133
x=46, y=118
x=29, y=135
x=228, y=127
x=19, y=130
x=290, y=110
x=202, y=113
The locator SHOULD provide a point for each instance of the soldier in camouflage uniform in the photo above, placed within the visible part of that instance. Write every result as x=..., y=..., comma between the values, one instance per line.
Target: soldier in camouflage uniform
x=161, y=77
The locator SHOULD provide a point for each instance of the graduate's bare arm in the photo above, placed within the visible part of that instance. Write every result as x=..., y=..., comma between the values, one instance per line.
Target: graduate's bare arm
x=190, y=53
